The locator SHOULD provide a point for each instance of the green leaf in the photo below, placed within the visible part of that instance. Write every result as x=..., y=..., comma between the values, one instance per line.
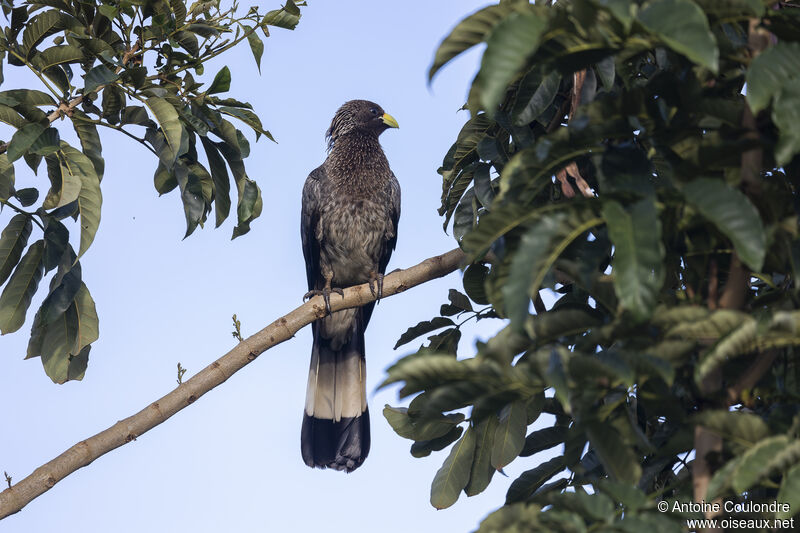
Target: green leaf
x=736, y=342
x=222, y=81
x=287, y=17
x=178, y=8
x=517, y=518
x=113, y=103
x=177, y=140
x=222, y=185
x=194, y=205
x=453, y=476
x=27, y=196
x=188, y=42
x=423, y=448
x=638, y=255
x=256, y=46
x=508, y=48
x=46, y=144
x=109, y=12
x=776, y=68
x=459, y=300
x=483, y=182
x=682, y=26
x=7, y=179
x=249, y=205
x=630, y=497
x=97, y=77
x=541, y=99
x=789, y=492
x=421, y=427
x=469, y=32
x=539, y=248
x=597, y=506
x=90, y=140
x=57, y=55
x=545, y=327
x=530, y=480
x=421, y=372
x=56, y=243
x=474, y=279
x=249, y=118
x=606, y=70
x=23, y=139
x=31, y=97
x=11, y=117
x=740, y=427
x=733, y=214
x=544, y=439
x=65, y=343
x=482, y=470
x=509, y=437
x=90, y=198
x=66, y=186
x=786, y=115
x=39, y=27
x=753, y=465
x=618, y=458
x=399, y=420
x=19, y=291
x=622, y=10
x=422, y=328
x=12, y=243
x=135, y=114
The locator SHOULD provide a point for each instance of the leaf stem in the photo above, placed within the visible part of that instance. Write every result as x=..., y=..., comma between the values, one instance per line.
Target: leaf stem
x=22, y=212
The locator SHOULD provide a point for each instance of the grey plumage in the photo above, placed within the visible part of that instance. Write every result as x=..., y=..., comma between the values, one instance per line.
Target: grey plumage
x=351, y=208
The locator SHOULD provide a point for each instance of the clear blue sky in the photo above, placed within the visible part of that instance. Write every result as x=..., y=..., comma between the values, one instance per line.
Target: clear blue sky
x=231, y=461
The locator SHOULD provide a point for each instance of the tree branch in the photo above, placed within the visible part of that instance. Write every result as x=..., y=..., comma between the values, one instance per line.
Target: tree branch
x=81, y=454
x=752, y=375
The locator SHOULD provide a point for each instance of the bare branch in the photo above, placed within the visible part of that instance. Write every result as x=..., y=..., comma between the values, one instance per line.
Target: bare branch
x=81, y=454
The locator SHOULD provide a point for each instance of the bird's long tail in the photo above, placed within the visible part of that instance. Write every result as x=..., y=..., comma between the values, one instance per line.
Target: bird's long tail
x=335, y=430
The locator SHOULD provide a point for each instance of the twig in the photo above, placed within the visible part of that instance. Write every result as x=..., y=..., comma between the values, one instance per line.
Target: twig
x=21, y=211
x=81, y=454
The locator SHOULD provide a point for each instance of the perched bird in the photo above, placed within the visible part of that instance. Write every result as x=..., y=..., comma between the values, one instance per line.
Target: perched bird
x=351, y=207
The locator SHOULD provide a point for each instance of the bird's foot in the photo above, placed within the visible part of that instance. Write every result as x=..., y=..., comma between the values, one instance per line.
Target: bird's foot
x=377, y=291
x=326, y=296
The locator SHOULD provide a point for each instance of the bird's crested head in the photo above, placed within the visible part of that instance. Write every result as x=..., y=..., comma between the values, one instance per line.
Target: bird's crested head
x=359, y=116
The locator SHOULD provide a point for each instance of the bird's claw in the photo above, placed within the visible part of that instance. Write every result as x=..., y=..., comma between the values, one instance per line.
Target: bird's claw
x=326, y=296
x=377, y=279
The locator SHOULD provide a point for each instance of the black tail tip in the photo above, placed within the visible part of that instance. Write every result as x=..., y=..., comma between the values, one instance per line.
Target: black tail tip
x=342, y=445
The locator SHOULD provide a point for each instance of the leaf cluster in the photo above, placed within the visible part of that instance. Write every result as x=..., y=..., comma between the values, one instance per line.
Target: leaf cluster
x=129, y=66
x=641, y=272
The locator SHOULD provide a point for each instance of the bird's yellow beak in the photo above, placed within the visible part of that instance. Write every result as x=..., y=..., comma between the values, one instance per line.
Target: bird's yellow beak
x=389, y=120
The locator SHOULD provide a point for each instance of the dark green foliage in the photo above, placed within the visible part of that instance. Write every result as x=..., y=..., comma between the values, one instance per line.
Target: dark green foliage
x=691, y=202
x=95, y=63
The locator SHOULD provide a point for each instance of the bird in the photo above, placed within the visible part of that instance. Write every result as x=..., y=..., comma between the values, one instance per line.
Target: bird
x=349, y=217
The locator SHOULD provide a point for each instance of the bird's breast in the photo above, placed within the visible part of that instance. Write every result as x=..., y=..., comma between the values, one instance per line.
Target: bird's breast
x=353, y=232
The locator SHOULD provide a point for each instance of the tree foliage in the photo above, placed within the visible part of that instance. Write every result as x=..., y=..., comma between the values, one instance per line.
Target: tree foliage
x=677, y=269
x=136, y=63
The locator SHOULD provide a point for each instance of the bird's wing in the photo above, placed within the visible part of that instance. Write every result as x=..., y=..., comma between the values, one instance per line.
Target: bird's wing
x=394, y=214
x=309, y=218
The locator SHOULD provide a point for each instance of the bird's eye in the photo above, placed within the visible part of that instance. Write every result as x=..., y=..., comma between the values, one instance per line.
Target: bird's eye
x=373, y=111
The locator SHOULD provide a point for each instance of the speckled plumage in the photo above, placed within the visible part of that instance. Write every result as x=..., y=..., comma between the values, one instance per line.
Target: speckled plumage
x=351, y=208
